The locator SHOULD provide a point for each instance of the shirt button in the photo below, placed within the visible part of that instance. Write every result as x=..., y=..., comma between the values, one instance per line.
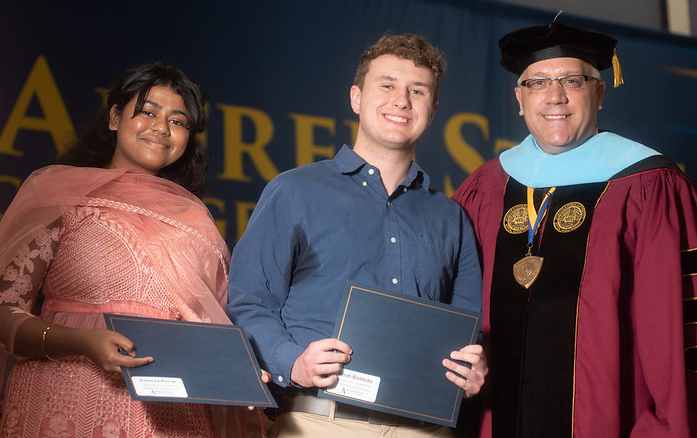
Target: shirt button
x=405, y=189
x=393, y=240
x=395, y=281
x=371, y=171
x=388, y=203
x=280, y=378
x=365, y=183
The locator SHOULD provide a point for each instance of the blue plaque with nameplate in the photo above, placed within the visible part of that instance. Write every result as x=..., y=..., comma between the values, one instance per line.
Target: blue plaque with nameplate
x=193, y=362
x=398, y=345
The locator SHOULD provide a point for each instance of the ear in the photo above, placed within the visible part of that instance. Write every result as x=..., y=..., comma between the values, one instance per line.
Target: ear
x=518, y=97
x=355, y=94
x=114, y=117
x=433, y=112
x=600, y=92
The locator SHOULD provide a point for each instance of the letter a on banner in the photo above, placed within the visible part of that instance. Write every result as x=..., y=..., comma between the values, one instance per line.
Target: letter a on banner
x=55, y=119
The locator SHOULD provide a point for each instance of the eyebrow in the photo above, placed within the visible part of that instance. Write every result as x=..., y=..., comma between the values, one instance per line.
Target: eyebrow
x=422, y=84
x=158, y=106
x=539, y=74
x=393, y=79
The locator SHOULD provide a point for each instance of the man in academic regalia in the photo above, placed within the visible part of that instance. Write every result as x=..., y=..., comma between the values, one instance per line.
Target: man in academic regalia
x=588, y=243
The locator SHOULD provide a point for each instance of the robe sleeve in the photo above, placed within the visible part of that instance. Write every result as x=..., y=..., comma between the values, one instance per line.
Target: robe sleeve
x=664, y=312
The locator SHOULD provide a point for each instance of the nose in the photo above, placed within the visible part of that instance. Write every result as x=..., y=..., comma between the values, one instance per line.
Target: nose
x=402, y=100
x=556, y=93
x=160, y=126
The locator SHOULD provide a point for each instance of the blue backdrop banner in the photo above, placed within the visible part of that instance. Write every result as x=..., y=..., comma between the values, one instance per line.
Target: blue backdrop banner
x=278, y=74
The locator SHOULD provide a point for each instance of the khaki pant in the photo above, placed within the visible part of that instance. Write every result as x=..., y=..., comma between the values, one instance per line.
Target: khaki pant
x=302, y=425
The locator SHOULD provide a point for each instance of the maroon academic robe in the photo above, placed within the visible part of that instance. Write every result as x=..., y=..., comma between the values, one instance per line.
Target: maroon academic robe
x=604, y=342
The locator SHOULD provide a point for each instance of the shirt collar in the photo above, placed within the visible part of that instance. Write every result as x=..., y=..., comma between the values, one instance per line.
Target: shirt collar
x=350, y=162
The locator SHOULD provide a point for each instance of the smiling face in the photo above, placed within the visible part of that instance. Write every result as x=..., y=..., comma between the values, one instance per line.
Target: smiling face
x=155, y=137
x=395, y=104
x=560, y=119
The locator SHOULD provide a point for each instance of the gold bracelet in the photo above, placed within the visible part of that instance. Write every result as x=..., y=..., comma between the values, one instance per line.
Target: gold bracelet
x=43, y=343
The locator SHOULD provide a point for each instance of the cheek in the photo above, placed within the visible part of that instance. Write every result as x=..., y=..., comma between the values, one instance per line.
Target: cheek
x=182, y=144
x=185, y=140
x=130, y=127
x=426, y=114
x=524, y=108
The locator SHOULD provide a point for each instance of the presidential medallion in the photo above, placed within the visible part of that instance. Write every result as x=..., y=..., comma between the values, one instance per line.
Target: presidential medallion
x=569, y=217
x=516, y=219
x=527, y=269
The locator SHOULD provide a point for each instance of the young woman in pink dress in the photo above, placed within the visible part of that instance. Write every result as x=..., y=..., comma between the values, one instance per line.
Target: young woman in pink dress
x=118, y=229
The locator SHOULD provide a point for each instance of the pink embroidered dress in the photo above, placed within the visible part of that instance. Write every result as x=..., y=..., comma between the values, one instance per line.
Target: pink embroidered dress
x=94, y=241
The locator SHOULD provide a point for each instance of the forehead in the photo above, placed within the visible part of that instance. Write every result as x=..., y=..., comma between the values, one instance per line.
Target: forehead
x=557, y=67
x=398, y=68
x=160, y=92
x=163, y=97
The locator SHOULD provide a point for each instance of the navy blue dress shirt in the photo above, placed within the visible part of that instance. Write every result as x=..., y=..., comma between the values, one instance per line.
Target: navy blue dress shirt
x=319, y=225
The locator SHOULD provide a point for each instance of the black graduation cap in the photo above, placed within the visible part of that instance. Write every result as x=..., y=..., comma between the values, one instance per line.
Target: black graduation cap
x=526, y=46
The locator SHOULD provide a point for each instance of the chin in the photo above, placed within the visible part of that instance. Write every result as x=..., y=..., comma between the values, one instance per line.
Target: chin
x=555, y=149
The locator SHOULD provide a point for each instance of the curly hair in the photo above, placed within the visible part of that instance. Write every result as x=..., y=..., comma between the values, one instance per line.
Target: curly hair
x=95, y=143
x=406, y=46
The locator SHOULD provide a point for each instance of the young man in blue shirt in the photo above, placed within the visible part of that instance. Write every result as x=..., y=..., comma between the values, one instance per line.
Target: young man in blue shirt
x=368, y=216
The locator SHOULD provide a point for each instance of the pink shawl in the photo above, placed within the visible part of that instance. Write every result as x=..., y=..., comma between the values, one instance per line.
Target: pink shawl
x=195, y=270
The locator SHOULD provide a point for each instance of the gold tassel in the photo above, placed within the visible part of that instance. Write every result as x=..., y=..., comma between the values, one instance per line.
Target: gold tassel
x=617, y=70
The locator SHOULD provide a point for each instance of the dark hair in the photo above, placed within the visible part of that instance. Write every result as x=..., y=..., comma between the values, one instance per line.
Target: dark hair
x=96, y=143
x=406, y=46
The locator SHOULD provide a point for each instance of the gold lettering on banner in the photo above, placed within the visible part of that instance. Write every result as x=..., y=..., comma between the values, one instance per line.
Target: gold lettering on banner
x=306, y=151
x=236, y=148
x=9, y=179
x=448, y=188
x=56, y=121
x=502, y=144
x=353, y=126
x=463, y=153
x=247, y=136
x=103, y=93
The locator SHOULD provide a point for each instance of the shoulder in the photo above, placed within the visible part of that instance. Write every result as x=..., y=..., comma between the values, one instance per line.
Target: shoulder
x=48, y=173
x=661, y=185
x=293, y=189
x=440, y=202
x=657, y=170
x=490, y=176
x=312, y=173
x=63, y=181
x=490, y=171
x=313, y=170
x=654, y=162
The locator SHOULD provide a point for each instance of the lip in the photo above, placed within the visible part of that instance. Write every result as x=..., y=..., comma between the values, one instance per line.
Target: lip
x=555, y=116
x=156, y=142
x=395, y=118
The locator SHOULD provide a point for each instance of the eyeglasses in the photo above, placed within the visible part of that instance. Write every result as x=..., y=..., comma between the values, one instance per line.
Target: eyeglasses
x=570, y=82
